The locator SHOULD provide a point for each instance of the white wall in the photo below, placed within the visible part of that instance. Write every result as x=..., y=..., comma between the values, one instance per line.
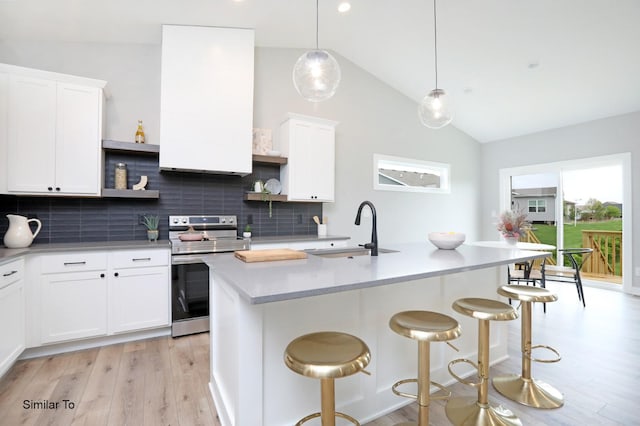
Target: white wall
x=608, y=136
x=373, y=119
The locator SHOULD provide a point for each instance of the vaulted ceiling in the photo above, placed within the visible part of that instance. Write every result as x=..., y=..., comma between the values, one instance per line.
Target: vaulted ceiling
x=513, y=67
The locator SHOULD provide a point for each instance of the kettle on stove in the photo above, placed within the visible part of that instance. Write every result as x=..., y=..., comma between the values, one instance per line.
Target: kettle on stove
x=19, y=234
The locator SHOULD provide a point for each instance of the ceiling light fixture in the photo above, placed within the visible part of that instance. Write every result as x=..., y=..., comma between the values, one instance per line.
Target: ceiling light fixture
x=435, y=110
x=316, y=74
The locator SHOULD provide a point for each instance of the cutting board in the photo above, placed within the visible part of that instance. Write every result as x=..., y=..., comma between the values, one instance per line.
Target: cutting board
x=269, y=255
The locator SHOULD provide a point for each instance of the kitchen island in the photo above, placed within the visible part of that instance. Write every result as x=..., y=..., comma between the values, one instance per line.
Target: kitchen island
x=258, y=308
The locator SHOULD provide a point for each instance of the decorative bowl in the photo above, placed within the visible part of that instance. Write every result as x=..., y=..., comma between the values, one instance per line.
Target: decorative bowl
x=446, y=240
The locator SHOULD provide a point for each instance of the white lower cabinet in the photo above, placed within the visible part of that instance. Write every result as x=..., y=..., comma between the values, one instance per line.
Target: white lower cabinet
x=139, y=283
x=100, y=293
x=12, y=315
x=73, y=296
x=74, y=306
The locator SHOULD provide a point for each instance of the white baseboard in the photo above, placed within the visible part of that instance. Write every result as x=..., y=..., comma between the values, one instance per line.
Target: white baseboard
x=78, y=345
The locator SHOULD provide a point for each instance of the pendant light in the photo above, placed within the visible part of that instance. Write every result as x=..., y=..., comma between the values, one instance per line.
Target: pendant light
x=316, y=74
x=435, y=110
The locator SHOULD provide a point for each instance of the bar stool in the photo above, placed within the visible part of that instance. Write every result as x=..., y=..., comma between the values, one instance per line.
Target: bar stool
x=524, y=389
x=471, y=411
x=327, y=355
x=425, y=327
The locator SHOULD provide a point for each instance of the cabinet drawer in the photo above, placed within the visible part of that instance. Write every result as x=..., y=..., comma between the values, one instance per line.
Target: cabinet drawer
x=139, y=258
x=11, y=272
x=73, y=262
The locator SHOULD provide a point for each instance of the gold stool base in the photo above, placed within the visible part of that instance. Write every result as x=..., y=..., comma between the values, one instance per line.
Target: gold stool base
x=531, y=392
x=316, y=415
x=468, y=412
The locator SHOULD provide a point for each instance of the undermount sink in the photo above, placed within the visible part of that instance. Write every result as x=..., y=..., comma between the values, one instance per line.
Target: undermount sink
x=346, y=252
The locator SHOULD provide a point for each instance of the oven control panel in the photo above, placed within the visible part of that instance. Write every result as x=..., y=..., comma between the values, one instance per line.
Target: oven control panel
x=203, y=221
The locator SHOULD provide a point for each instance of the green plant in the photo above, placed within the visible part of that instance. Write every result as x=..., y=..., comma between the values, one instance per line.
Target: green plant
x=247, y=228
x=151, y=222
x=266, y=196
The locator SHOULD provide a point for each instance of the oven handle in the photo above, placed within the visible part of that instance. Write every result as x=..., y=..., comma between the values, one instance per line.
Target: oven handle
x=185, y=259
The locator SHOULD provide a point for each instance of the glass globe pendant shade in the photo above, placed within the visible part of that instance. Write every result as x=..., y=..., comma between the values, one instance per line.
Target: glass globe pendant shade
x=316, y=75
x=435, y=110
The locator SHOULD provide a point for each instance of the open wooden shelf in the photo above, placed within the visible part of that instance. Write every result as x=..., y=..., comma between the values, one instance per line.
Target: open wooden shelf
x=258, y=196
x=141, y=148
x=268, y=160
x=129, y=193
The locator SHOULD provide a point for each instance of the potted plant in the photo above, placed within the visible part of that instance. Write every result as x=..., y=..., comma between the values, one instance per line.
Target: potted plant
x=247, y=231
x=513, y=225
x=151, y=222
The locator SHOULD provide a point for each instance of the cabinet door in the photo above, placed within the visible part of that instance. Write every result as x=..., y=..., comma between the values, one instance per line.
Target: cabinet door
x=311, y=166
x=74, y=305
x=206, y=105
x=139, y=298
x=78, y=137
x=32, y=130
x=12, y=316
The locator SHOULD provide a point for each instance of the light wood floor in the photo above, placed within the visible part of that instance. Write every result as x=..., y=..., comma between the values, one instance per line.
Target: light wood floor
x=165, y=381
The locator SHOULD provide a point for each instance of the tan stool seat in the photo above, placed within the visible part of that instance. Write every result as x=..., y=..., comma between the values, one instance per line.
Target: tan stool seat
x=527, y=293
x=424, y=325
x=327, y=355
x=485, y=309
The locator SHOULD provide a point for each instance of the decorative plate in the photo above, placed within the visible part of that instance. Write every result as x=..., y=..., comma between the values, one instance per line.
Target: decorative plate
x=273, y=186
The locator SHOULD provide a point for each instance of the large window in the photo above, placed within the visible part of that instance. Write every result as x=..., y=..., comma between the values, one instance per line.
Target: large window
x=537, y=206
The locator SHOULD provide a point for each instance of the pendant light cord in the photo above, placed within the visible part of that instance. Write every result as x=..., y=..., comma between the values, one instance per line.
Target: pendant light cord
x=317, y=24
x=435, y=40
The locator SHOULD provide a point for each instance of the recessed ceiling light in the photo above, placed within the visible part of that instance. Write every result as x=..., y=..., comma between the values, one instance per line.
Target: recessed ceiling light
x=344, y=7
x=533, y=65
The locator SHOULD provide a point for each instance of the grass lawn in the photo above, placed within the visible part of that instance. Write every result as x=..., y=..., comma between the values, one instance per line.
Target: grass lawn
x=573, y=234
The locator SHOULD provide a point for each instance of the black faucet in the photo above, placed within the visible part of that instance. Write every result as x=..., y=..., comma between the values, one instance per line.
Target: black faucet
x=373, y=245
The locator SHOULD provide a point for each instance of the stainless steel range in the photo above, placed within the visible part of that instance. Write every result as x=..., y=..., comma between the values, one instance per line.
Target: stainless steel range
x=191, y=237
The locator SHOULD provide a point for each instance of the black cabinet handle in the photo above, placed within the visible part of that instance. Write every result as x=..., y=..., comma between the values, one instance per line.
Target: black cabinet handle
x=50, y=188
x=74, y=263
x=140, y=259
x=116, y=274
x=8, y=274
x=101, y=275
x=57, y=188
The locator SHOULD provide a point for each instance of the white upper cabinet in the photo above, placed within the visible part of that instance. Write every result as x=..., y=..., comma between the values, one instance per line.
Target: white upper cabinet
x=206, y=107
x=309, y=144
x=54, y=133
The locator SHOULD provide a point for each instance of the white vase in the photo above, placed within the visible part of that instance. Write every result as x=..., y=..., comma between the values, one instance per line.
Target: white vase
x=511, y=240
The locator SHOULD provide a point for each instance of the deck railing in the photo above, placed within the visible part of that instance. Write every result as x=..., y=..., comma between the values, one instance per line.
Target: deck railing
x=606, y=258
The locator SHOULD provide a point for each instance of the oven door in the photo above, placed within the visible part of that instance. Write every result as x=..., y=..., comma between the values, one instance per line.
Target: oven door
x=189, y=295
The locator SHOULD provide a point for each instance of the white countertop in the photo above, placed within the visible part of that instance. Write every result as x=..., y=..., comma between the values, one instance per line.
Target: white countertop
x=519, y=245
x=8, y=254
x=265, y=282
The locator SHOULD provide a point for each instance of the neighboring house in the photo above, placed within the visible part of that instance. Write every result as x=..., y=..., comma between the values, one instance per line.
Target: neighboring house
x=538, y=203
x=405, y=178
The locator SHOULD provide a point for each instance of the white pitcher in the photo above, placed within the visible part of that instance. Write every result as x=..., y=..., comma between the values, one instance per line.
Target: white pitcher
x=19, y=234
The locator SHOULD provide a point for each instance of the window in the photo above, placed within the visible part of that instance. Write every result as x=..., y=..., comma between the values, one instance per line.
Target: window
x=537, y=206
x=408, y=175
